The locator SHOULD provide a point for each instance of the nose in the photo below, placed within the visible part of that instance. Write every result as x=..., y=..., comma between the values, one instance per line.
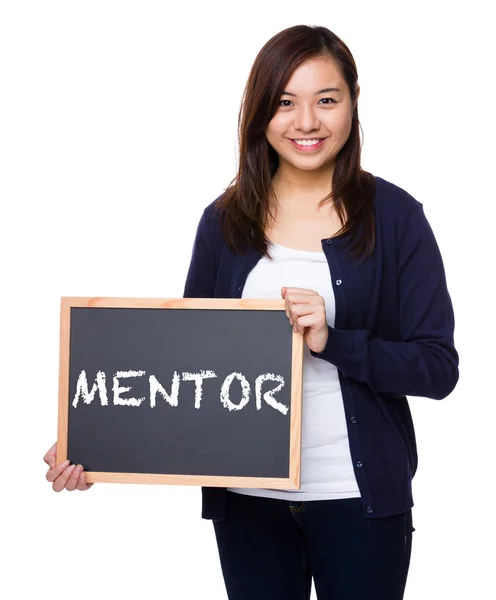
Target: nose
x=306, y=119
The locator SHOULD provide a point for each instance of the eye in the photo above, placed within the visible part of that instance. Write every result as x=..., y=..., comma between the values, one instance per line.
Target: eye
x=331, y=101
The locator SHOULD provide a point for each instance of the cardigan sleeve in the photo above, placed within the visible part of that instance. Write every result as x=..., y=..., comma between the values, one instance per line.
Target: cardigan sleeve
x=199, y=277
x=424, y=362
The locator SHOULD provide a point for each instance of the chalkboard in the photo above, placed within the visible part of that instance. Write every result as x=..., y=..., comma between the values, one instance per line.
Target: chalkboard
x=187, y=391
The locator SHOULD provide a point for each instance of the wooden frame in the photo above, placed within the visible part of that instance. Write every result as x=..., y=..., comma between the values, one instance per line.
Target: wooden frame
x=292, y=482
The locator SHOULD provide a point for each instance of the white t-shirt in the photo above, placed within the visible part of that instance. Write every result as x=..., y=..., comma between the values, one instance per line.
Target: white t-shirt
x=326, y=466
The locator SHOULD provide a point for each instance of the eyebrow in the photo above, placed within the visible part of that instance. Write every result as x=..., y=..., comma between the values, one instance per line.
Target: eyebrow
x=325, y=90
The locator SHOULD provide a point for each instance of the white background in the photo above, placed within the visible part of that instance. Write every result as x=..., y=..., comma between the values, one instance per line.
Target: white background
x=118, y=126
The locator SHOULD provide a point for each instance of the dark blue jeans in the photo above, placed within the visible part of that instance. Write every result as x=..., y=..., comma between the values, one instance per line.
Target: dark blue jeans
x=270, y=549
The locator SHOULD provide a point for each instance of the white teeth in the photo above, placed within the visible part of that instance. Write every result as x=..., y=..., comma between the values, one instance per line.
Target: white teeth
x=307, y=142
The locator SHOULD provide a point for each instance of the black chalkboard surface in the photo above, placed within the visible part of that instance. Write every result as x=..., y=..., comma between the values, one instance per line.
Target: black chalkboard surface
x=194, y=391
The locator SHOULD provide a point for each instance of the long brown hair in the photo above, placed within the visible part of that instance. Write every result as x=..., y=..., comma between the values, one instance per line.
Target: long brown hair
x=246, y=203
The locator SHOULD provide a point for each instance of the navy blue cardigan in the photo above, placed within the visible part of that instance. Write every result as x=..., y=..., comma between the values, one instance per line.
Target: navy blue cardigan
x=393, y=337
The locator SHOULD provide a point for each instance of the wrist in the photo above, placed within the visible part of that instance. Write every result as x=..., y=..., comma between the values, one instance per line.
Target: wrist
x=320, y=347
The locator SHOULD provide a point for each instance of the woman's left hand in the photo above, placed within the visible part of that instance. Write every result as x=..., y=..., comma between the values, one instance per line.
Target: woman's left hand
x=306, y=312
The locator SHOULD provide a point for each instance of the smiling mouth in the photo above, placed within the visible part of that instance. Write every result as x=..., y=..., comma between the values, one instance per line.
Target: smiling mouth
x=309, y=145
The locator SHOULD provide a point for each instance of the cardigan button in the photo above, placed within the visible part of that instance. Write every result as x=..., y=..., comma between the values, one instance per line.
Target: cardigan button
x=359, y=464
x=329, y=242
x=353, y=419
x=338, y=282
x=370, y=509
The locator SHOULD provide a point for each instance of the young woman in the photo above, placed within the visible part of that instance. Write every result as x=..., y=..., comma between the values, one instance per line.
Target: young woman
x=360, y=271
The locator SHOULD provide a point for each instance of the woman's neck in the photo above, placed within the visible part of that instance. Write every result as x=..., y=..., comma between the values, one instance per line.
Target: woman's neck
x=306, y=187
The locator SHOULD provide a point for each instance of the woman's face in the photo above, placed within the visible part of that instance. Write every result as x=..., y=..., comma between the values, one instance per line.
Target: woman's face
x=305, y=111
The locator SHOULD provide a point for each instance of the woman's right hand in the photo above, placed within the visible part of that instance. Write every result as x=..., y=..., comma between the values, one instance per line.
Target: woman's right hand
x=64, y=476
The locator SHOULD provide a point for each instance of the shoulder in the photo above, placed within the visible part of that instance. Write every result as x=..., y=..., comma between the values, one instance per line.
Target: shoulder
x=402, y=220
x=394, y=201
x=389, y=198
x=210, y=221
x=211, y=212
x=209, y=229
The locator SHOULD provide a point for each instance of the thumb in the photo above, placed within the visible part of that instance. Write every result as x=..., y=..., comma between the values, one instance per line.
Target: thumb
x=283, y=292
x=50, y=456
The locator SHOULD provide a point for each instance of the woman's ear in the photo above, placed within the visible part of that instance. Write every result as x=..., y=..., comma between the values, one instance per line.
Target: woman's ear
x=357, y=93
